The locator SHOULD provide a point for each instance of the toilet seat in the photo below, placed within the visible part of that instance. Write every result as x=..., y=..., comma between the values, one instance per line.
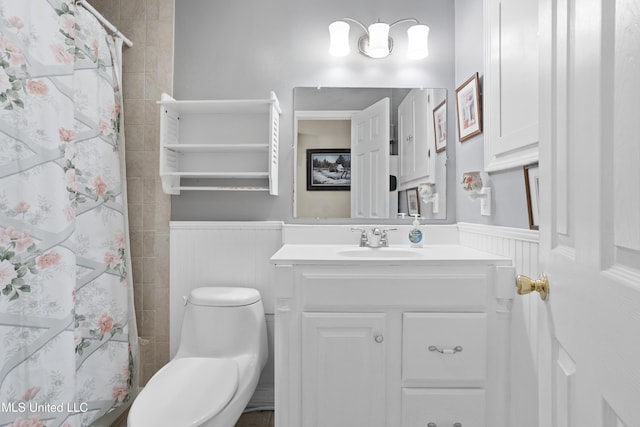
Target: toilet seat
x=186, y=392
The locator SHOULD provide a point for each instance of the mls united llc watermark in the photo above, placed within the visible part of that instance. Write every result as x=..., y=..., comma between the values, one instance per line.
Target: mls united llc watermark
x=44, y=408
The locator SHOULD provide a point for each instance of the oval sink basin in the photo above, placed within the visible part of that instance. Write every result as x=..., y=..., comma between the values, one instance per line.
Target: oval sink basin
x=378, y=253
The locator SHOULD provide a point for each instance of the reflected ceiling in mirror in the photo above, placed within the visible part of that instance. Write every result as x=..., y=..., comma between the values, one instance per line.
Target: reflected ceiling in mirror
x=364, y=153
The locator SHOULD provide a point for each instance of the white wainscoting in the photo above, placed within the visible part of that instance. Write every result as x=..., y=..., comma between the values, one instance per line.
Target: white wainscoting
x=225, y=253
x=237, y=254
x=521, y=246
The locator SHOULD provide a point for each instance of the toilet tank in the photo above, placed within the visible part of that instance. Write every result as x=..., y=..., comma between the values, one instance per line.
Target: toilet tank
x=223, y=322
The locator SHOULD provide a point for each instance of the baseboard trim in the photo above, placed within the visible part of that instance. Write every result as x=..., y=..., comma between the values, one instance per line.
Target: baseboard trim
x=115, y=418
x=263, y=397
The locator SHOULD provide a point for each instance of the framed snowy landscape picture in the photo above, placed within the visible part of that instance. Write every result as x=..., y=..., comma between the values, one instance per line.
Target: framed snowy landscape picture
x=328, y=169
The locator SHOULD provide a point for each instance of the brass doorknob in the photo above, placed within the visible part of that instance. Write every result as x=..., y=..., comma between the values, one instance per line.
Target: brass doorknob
x=527, y=285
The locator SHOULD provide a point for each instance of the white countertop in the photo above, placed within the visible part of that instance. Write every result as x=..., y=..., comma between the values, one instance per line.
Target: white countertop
x=395, y=254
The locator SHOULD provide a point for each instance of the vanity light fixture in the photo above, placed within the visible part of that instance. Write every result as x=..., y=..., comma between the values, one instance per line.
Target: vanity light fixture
x=376, y=43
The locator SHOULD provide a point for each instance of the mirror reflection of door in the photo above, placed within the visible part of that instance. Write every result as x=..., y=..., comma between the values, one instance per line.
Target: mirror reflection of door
x=370, y=161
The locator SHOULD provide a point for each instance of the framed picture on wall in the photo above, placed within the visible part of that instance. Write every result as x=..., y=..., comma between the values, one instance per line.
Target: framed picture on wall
x=440, y=126
x=413, y=201
x=532, y=186
x=468, y=112
x=328, y=169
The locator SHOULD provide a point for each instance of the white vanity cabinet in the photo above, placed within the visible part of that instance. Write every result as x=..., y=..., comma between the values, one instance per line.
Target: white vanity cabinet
x=219, y=145
x=392, y=343
x=510, y=107
x=416, y=143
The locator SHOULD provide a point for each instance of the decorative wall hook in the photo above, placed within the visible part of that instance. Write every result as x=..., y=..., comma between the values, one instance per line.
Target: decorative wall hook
x=428, y=194
x=473, y=185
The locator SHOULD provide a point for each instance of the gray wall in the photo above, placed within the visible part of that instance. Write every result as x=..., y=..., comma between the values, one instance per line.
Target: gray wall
x=510, y=203
x=244, y=49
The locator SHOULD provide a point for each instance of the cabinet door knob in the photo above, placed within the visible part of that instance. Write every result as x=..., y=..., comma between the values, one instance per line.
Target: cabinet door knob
x=379, y=339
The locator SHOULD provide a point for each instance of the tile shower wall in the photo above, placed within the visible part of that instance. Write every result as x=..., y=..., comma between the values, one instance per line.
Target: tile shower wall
x=147, y=72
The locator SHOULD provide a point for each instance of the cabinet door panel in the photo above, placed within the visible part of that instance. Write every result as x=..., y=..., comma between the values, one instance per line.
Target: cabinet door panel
x=343, y=369
x=416, y=143
x=441, y=349
x=406, y=139
x=510, y=84
x=443, y=408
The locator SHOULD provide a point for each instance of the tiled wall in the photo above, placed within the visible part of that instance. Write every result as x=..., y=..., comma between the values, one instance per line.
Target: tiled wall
x=147, y=72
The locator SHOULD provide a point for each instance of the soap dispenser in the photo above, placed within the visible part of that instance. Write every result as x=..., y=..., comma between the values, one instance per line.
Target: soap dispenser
x=415, y=234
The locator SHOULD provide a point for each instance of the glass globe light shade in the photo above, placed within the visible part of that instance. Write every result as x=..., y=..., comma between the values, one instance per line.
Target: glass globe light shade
x=378, y=40
x=339, y=38
x=418, y=36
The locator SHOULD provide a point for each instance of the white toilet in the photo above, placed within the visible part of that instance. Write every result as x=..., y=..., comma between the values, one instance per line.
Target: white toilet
x=223, y=348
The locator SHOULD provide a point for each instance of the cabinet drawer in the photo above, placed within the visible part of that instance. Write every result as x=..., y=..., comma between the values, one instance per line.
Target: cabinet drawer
x=439, y=288
x=443, y=408
x=443, y=349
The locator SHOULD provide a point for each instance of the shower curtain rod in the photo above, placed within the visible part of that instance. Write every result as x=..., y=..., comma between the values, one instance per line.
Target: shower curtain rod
x=104, y=21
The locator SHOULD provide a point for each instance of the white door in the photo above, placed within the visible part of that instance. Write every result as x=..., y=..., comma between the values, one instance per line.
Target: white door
x=589, y=367
x=370, y=138
x=343, y=370
x=406, y=139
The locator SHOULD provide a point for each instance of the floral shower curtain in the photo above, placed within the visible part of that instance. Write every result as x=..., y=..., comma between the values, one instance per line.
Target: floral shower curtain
x=67, y=329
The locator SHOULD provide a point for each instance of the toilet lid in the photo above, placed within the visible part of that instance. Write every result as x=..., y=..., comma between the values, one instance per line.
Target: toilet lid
x=224, y=296
x=186, y=392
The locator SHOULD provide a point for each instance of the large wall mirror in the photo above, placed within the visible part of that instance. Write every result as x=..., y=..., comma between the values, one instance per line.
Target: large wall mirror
x=370, y=153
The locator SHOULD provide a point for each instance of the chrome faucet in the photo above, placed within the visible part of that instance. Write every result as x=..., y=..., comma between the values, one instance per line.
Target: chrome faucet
x=384, y=239
x=364, y=238
x=378, y=238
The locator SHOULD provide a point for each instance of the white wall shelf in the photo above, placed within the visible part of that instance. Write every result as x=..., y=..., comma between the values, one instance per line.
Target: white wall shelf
x=236, y=175
x=199, y=148
x=219, y=145
x=222, y=188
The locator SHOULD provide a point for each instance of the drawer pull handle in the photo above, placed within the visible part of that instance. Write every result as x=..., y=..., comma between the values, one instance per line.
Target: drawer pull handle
x=436, y=425
x=378, y=339
x=454, y=350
